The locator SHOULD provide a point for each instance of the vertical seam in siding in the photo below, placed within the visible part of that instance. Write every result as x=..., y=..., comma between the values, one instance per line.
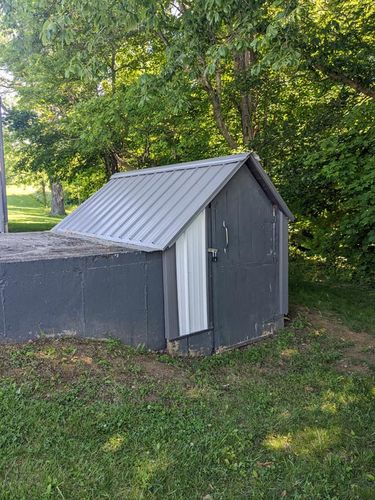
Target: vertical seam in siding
x=83, y=298
x=2, y=298
x=146, y=300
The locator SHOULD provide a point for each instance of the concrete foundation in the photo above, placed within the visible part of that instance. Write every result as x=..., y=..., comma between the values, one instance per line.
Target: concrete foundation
x=56, y=285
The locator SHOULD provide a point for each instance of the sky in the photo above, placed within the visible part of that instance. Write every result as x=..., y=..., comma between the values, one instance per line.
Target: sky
x=8, y=95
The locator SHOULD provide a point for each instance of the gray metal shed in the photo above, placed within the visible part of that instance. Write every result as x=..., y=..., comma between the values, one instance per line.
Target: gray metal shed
x=193, y=257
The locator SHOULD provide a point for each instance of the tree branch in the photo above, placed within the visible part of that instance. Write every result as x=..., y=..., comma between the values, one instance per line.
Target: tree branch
x=341, y=78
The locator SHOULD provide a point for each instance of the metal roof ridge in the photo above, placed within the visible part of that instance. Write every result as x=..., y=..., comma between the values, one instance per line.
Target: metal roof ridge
x=221, y=160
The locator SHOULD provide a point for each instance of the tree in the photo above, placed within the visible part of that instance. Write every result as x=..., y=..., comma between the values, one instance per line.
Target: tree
x=37, y=145
x=117, y=85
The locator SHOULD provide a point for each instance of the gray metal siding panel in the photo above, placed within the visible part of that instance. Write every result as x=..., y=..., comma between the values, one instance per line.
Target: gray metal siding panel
x=283, y=264
x=170, y=293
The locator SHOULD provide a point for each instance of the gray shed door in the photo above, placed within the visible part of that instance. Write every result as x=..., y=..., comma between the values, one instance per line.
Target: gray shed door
x=244, y=276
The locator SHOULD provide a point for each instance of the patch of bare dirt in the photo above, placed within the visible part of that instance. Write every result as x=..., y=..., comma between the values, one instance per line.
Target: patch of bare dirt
x=162, y=372
x=64, y=361
x=358, y=347
x=54, y=360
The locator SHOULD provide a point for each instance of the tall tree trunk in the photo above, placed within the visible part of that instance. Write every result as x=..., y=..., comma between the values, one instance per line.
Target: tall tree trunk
x=44, y=193
x=111, y=163
x=57, y=198
x=214, y=96
x=247, y=104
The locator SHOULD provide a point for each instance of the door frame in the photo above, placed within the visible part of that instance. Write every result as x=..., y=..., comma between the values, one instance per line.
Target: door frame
x=192, y=276
x=171, y=313
x=210, y=264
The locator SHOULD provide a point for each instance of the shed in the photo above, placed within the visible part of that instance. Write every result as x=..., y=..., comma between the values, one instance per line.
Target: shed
x=192, y=256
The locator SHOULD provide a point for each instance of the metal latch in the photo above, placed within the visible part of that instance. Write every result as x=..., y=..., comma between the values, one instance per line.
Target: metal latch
x=213, y=252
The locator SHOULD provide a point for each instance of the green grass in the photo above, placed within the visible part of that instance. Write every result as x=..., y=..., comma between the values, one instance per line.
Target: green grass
x=99, y=420
x=355, y=305
x=26, y=212
x=292, y=417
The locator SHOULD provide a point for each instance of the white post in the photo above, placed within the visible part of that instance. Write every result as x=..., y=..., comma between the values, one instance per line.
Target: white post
x=3, y=196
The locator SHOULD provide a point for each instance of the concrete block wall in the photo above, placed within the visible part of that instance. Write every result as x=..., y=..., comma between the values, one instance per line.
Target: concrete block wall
x=116, y=295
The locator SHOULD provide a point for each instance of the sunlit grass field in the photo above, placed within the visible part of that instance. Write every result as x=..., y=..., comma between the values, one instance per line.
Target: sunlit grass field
x=26, y=211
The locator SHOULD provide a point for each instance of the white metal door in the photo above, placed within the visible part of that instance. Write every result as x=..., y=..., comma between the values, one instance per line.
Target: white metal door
x=191, y=268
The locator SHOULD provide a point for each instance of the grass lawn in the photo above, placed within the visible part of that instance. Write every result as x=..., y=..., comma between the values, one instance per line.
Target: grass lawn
x=26, y=212
x=355, y=305
x=291, y=417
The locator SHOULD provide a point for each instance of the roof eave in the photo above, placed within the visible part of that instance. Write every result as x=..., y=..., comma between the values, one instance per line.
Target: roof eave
x=266, y=183
x=109, y=240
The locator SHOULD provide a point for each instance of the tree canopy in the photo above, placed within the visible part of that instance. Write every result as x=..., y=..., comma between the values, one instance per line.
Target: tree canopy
x=109, y=85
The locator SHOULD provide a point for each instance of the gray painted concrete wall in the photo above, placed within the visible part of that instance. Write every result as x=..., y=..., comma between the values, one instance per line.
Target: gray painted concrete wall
x=56, y=285
x=116, y=295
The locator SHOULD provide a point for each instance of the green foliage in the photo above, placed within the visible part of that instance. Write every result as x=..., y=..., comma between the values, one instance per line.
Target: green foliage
x=345, y=160
x=104, y=86
x=312, y=287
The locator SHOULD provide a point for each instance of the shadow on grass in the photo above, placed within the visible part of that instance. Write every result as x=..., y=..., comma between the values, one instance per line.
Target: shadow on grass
x=260, y=425
x=26, y=213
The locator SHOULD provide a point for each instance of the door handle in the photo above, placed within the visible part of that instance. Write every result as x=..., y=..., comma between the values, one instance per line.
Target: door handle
x=226, y=236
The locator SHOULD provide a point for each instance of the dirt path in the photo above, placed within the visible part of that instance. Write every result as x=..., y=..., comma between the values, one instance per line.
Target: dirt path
x=359, y=348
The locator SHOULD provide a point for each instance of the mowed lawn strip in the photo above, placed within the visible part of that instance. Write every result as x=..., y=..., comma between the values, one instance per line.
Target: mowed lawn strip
x=26, y=212
x=283, y=418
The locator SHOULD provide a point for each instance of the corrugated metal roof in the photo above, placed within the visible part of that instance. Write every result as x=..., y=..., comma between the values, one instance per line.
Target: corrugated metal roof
x=147, y=209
